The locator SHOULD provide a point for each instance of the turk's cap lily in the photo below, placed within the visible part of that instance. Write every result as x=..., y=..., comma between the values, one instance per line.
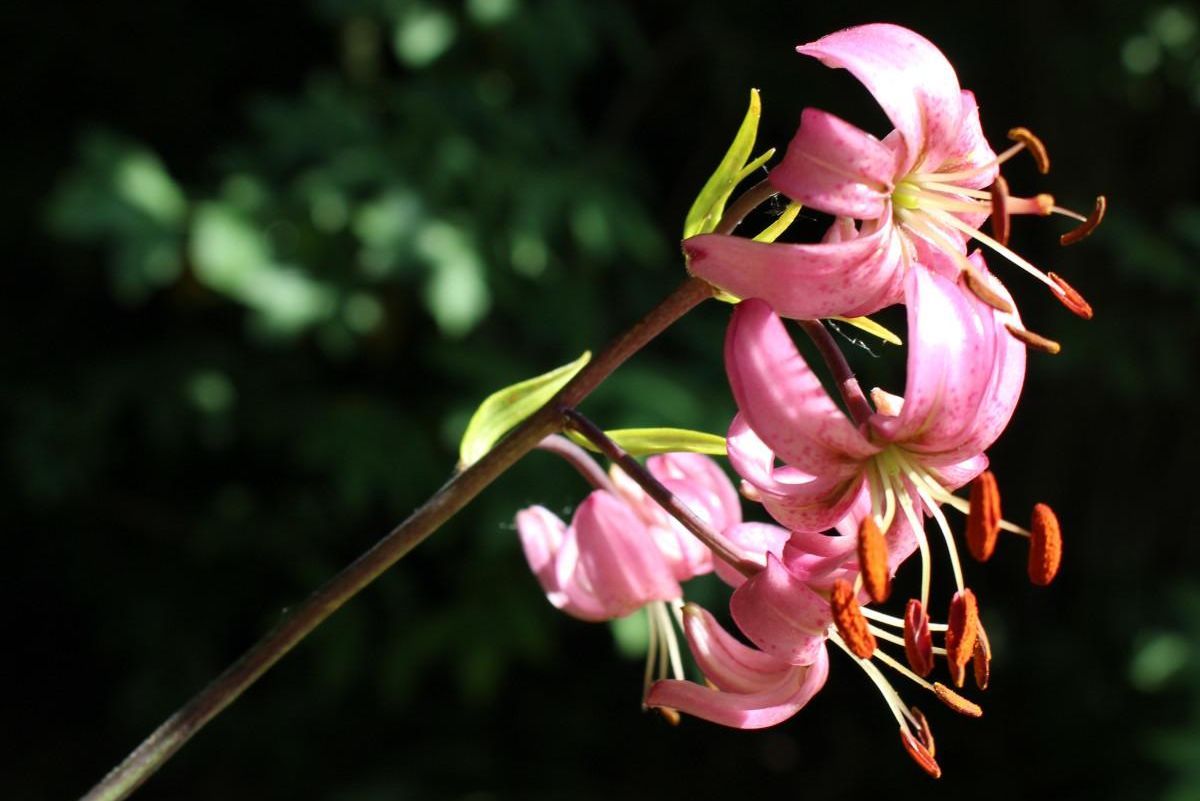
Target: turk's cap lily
x=964, y=375
x=604, y=565
x=703, y=487
x=750, y=689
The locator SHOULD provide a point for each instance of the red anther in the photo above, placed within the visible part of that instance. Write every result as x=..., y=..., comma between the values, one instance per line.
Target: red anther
x=1032, y=340
x=956, y=702
x=1045, y=546
x=983, y=519
x=873, y=561
x=1000, y=221
x=850, y=621
x=1035, y=147
x=962, y=630
x=920, y=754
x=1070, y=297
x=978, y=286
x=923, y=729
x=918, y=642
x=981, y=658
x=1087, y=226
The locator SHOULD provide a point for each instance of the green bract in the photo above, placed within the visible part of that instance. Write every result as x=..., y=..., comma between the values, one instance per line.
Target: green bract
x=649, y=441
x=706, y=211
x=504, y=409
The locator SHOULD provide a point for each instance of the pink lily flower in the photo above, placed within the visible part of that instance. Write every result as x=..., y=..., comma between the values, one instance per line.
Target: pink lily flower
x=964, y=377
x=919, y=192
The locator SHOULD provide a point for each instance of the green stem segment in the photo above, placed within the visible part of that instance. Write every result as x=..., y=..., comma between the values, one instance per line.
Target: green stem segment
x=176, y=730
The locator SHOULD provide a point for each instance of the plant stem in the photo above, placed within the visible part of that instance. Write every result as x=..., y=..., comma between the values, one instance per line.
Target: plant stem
x=578, y=458
x=171, y=735
x=655, y=489
x=847, y=383
x=740, y=209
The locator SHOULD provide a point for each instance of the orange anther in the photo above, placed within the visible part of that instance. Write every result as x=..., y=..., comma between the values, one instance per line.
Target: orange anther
x=669, y=715
x=983, y=519
x=1032, y=340
x=981, y=658
x=1070, y=297
x=1035, y=147
x=924, y=731
x=956, y=702
x=850, y=621
x=1087, y=226
x=962, y=630
x=1045, y=546
x=918, y=642
x=977, y=285
x=873, y=560
x=1000, y=221
x=916, y=749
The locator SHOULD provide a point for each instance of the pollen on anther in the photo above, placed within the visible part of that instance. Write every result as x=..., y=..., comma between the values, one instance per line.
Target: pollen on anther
x=978, y=286
x=850, y=621
x=916, y=749
x=1070, y=297
x=961, y=633
x=1045, y=546
x=924, y=730
x=1087, y=226
x=1000, y=220
x=983, y=519
x=873, y=560
x=1035, y=341
x=1035, y=147
x=981, y=658
x=956, y=702
x=918, y=642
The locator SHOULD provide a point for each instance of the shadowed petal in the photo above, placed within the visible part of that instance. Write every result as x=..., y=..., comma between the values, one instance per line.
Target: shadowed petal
x=908, y=77
x=781, y=615
x=725, y=661
x=833, y=279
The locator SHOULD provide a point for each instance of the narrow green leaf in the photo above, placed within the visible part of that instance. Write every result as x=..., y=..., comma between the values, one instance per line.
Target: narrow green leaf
x=503, y=410
x=871, y=327
x=749, y=169
x=649, y=441
x=710, y=203
x=776, y=229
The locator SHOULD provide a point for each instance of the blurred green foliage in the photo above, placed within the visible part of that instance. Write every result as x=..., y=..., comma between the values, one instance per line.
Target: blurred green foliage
x=267, y=260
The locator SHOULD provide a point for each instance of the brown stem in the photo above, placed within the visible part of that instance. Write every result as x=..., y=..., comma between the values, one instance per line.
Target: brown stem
x=750, y=200
x=170, y=736
x=654, y=488
x=847, y=383
x=578, y=458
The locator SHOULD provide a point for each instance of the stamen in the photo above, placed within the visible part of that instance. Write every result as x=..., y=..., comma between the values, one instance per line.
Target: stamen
x=1045, y=546
x=1000, y=221
x=983, y=520
x=669, y=715
x=978, y=287
x=961, y=635
x=920, y=754
x=924, y=731
x=873, y=560
x=1035, y=341
x=1090, y=224
x=922, y=542
x=1071, y=298
x=957, y=702
x=1035, y=146
x=850, y=621
x=981, y=658
x=918, y=642
x=890, y=696
x=974, y=233
x=893, y=621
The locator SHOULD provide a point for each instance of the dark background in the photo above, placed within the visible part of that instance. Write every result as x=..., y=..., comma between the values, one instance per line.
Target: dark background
x=264, y=259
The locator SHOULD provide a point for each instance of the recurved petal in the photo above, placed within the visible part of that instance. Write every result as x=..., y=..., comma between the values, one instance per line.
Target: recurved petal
x=756, y=710
x=970, y=150
x=847, y=278
x=619, y=564
x=910, y=79
x=752, y=541
x=724, y=660
x=781, y=615
x=836, y=168
x=783, y=401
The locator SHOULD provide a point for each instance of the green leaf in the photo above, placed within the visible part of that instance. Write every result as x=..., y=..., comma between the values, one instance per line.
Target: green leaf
x=871, y=327
x=776, y=229
x=649, y=441
x=503, y=410
x=706, y=211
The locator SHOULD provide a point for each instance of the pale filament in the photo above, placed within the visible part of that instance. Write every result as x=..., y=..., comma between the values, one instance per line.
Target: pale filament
x=884, y=634
x=962, y=175
x=899, y=710
x=963, y=505
x=893, y=621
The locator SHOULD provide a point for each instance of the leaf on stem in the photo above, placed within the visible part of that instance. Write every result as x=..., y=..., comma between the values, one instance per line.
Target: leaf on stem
x=706, y=211
x=649, y=441
x=503, y=410
x=871, y=327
